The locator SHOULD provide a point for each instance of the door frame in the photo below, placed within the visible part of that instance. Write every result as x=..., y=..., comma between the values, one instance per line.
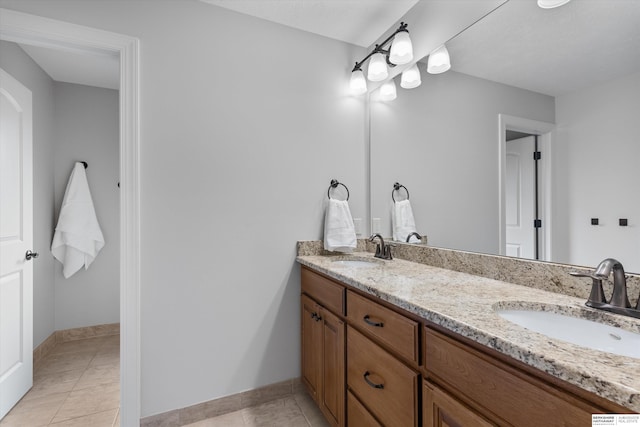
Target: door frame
x=547, y=135
x=44, y=32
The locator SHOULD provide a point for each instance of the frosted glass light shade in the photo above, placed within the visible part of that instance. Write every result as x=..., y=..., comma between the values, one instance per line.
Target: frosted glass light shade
x=401, y=49
x=411, y=77
x=358, y=83
x=550, y=4
x=377, y=68
x=439, y=61
x=388, y=91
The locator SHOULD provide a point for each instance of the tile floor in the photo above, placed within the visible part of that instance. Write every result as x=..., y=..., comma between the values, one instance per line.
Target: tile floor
x=295, y=411
x=77, y=384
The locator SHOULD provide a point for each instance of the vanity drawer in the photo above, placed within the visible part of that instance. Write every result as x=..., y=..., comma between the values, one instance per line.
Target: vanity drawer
x=357, y=415
x=324, y=291
x=499, y=388
x=386, y=386
x=395, y=330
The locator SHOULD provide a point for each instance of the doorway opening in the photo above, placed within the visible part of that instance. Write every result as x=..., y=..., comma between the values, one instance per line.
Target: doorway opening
x=525, y=157
x=44, y=32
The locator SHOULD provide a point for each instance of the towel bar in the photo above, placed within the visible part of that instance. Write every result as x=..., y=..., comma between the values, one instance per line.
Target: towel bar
x=334, y=184
x=396, y=187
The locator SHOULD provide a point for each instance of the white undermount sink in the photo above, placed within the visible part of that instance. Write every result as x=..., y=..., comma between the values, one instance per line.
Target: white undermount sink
x=582, y=332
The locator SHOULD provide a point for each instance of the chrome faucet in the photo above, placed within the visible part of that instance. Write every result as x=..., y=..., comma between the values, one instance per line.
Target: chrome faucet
x=414, y=234
x=619, y=302
x=382, y=251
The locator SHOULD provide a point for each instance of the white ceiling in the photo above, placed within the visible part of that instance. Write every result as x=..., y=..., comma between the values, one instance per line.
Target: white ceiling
x=85, y=68
x=358, y=22
x=552, y=51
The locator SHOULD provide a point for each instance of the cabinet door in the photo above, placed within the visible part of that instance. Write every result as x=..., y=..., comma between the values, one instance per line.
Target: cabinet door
x=357, y=415
x=311, y=340
x=442, y=410
x=332, y=399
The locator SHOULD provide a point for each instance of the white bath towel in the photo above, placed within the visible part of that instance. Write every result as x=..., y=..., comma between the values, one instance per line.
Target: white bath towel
x=402, y=221
x=78, y=238
x=339, y=232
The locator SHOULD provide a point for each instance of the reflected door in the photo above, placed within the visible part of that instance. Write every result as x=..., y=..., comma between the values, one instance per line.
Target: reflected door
x=520, y=198
x=16, y=237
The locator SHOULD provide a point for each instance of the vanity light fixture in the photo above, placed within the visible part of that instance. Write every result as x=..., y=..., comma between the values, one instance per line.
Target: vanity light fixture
x=400, y=52
x=550, y=4
x=411, y=77
x=439, y=61
x=388, y=91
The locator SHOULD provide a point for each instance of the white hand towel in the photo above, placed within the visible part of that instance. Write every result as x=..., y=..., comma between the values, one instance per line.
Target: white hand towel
x=339, y=232
x=403, y=222
x=78, y=238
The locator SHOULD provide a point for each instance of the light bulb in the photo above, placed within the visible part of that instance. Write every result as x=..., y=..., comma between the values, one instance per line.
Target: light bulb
x=411, y=77
x=377, y=68
x=388, y=91
x=439, y=61
x=401, y=49
x=550, y=4
x=358, y=83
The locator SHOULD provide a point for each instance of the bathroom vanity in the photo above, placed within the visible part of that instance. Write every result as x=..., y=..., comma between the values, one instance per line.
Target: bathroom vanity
x=399, y=343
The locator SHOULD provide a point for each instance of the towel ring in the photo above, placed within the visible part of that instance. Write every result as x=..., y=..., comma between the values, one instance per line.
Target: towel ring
x=396, y=187
x=334, y=184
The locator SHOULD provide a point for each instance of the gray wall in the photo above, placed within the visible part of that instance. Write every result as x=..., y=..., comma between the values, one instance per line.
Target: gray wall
x=595, y=164
x=440, y=140
x=86, y=128
x=17, y=63
x=243, y=125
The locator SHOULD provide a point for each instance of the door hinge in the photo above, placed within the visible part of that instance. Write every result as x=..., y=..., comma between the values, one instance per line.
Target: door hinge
x=537, y=155
x=537, y=223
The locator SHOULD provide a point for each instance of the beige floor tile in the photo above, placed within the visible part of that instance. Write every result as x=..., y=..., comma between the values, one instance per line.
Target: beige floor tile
x=232, y=419
x=62, y=362
x=92, y=344
x=89, y=401
x=282, y=412
x=96, y=375
x=58, y=382
x=310, y=410
x=35, y=412
x=100, y=419
x=111, y=358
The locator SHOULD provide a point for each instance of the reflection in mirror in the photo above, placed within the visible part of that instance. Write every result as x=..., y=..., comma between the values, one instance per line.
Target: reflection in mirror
x=569, y=76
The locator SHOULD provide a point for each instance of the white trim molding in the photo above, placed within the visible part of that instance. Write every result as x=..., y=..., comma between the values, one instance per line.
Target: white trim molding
x=39, y=31
x=546, y=132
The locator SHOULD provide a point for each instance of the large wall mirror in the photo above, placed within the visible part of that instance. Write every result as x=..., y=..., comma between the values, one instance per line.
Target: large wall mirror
x=462, y=143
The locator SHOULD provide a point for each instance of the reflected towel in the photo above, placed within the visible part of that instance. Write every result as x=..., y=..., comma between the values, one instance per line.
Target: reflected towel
x=78, y=238
x=402, y=221
x=339, y=232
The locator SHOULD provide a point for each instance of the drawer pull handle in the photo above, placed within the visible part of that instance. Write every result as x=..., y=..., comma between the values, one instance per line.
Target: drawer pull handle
x=370, y=323
x=372, y=384
x=315, y=317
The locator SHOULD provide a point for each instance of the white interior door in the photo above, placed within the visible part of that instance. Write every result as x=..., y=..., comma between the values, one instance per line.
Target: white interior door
x=520, y=198
x=16, y=238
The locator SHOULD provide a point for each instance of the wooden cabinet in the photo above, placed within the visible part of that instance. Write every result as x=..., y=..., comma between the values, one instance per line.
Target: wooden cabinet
x=396, y=331
x=366, y=363
x=502, y=392
x=442, y=410
x=323, y=349
x=386, y=386
x=357, y=415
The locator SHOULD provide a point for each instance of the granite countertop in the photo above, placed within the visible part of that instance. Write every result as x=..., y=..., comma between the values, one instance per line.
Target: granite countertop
x=465, y=304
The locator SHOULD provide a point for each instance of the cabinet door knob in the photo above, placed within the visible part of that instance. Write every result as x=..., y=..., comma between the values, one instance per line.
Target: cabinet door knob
x=29, y=255
x=372, y=384
x=370, y=323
